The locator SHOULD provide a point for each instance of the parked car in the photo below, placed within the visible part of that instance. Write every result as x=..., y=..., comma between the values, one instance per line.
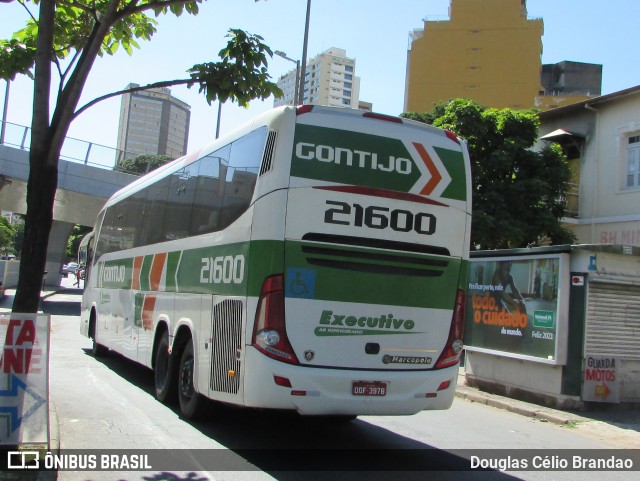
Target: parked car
x=64, y=270
x=72, y=267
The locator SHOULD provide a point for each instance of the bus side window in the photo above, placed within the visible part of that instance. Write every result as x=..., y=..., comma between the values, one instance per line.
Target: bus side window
x=207, y=202
x=241, y=175
x=132, y=212
x=154, y=212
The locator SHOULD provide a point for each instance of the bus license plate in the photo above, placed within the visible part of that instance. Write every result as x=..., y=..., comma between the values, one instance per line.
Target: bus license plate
x=365, y=388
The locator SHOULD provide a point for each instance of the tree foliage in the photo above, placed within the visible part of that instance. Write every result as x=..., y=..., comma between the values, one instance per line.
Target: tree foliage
x=57, y=48
x=73, y=243
x=518, y=193
x=142, y=164
x=7, y=236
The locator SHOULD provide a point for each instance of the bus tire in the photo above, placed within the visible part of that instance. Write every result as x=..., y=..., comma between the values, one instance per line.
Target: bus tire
x=164, y=371
x=97, y=349
x=190, y=400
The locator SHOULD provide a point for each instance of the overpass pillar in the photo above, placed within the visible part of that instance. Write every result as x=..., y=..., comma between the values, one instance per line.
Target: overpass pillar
x=56, y=251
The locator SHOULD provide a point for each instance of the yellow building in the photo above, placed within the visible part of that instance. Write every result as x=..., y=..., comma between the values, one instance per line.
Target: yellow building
x=488, y=51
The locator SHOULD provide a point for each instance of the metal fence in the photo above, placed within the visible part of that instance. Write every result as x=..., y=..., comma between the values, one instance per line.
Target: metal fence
x=73, y=150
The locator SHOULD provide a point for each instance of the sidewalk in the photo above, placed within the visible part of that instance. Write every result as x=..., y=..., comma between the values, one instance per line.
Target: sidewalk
x=544, y=414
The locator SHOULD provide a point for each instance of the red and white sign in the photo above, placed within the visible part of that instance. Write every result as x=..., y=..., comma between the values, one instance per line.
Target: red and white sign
x=24, y=379
x=577, y=280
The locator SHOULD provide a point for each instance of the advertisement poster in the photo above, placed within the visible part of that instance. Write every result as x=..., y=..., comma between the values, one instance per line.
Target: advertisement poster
x=518, y=306
x=24, y=379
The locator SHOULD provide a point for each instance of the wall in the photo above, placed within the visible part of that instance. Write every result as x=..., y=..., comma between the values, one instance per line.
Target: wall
x=9, y=273
x=608, y=211
x=488, y=52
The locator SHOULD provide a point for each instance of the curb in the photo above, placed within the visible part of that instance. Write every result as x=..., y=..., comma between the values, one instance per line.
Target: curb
x=515, y=406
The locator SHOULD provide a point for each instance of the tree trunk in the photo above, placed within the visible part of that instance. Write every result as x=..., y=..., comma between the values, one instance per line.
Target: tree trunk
x=41, y=191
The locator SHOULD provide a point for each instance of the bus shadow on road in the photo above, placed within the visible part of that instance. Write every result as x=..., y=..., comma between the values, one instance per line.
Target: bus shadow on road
x=60, y=308
x=63, y=302
x=291, y=447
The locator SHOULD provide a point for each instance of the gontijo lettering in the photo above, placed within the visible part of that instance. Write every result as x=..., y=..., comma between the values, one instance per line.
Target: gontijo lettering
x=357, y=158
x=114, y=274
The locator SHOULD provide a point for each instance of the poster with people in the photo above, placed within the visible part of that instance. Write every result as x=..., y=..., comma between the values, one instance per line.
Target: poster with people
x=514, y=306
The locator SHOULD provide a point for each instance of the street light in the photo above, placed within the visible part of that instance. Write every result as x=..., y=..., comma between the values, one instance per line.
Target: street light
x=218, y=121
x=304, y=55
x=4, y=112
x=280, y=53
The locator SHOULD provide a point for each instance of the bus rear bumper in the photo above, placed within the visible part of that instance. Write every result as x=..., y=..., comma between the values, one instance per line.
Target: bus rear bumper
x=325, y=391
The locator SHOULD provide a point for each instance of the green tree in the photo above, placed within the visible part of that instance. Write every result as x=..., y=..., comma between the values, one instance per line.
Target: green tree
x=65, y=38
x=78, y=232
x=19, y=237
x=7, y=235
x=518, y=193
x=141, y=164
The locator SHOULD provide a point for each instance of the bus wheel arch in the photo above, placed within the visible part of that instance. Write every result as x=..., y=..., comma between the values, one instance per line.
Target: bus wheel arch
x=165, y=365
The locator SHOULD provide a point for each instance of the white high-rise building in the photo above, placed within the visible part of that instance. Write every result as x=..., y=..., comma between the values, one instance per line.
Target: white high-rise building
x=330, y=80
x=153, y=122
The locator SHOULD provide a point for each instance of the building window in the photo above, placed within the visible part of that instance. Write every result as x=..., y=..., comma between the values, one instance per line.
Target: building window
x=348, y=76
x=348, y=68
x=348, y=85
x=633, y=162
x=346, y=93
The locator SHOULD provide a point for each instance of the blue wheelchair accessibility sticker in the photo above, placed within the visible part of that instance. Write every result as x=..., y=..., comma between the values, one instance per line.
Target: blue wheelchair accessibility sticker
x=300, y=283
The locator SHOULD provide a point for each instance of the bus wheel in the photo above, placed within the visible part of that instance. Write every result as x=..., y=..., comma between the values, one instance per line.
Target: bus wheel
x=97, y=350
x=164, y=371
x=189, y=399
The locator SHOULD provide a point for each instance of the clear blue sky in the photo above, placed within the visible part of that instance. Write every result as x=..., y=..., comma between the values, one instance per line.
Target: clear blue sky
x=374, y=32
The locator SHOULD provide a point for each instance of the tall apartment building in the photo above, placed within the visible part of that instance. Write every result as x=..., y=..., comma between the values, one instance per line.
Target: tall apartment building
x=330, y=80
x=488, y=51
x=153, y=122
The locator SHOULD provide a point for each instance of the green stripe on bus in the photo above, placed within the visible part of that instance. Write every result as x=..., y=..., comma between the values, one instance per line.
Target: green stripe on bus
x=116, y=274
x=352, y=158
x=172, y=267
x=454, y=163
x=358, y=277
x=145, y=270
x=347, y=274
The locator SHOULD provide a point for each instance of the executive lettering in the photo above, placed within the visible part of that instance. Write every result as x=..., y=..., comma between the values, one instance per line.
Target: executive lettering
x=385, y=321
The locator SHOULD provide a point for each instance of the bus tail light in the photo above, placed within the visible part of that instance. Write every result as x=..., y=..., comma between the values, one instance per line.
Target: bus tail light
x=452, y=136
x=303, y=109
x=453, y=349
x=269, y=331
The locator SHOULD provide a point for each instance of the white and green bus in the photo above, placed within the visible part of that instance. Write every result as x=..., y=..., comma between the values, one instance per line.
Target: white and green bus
x=314, y=260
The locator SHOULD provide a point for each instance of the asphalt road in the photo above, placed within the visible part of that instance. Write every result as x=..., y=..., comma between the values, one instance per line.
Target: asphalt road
x=103, y=404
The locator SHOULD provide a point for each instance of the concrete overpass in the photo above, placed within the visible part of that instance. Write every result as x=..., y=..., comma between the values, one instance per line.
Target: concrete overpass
x=84, y=185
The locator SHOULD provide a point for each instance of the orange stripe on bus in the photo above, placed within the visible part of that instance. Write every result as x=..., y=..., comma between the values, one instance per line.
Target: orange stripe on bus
x=157, y=266
x=148, y=306
x=436, y=177
x=137, y=265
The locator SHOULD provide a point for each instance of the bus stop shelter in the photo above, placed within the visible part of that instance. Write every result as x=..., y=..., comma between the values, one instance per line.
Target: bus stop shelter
x=557, y=325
